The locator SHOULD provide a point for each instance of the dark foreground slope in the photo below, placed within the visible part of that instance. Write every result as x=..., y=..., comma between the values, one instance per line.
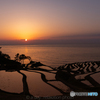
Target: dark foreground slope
x=72, y=75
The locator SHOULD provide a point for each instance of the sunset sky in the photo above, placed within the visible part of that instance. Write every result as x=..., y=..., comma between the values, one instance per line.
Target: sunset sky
x=47, y=19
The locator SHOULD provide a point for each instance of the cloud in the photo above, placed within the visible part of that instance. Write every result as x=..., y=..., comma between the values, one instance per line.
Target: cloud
x=72, y=39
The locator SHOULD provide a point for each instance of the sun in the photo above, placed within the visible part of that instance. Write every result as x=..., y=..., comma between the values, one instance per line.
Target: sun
x=26, y=40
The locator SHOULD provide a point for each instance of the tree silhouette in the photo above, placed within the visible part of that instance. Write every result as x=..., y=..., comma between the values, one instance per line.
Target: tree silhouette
x=6, y=56
x=22, y=57
x=17, y=57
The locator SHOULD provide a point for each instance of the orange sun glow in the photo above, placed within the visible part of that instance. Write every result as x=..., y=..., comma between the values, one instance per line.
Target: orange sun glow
x=25, y=39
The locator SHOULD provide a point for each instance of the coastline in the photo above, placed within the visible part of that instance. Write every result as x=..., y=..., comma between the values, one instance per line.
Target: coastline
x=66, y=74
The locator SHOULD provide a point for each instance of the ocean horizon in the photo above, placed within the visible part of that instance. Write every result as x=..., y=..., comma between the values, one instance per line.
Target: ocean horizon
x=55, y=55
x=42, y=82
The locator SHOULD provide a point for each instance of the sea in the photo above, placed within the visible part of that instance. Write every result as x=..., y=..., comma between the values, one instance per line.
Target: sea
x=55, y=55
x=52, y=55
